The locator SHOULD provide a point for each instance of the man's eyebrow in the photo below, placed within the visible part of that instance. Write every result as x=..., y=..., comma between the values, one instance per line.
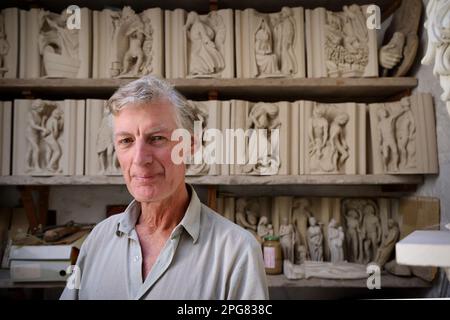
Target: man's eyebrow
x=149, y=132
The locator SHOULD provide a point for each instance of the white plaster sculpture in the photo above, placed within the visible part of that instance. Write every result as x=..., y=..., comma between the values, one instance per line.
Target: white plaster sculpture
x=372, y=232
x=300, y=215
x=246, y=215
x=208, y=117
x=287, y=239
x=266, y=130
x=263, y=227
x=48, y=137
x=100, y=158
x=438, y=48
x=401, y=41
x=335, y=241
x=334, y=138
x=315, y=240
x=403, y=136
x=324, y=270
x=270, y=45
x=199, y=46
x=127, y=44
x=5, y=137
x=339, y=44
x=49, y=48
x=388, y=244
x=9, y=42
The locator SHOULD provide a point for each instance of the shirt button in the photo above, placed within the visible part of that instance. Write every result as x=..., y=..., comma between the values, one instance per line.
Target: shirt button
x=136, y=258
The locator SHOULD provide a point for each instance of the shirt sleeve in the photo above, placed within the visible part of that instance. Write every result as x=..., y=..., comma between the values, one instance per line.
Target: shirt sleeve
x=248, y=281
x=73, y=283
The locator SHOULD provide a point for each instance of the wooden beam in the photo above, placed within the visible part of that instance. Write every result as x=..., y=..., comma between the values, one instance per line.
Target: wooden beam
x=212, y=197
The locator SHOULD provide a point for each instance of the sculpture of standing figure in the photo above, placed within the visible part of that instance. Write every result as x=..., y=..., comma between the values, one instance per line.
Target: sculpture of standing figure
x=317, y=133
x=406, y=136
x=300, y=215
x=266, y=60
x=372, y=230
x=387, y=126
x=287, y=240
x=204, y=57
x=352, y=235
x=35, y=130
x=105, y=145
x=388, y=244
x=134, y=56
x=55, y=126
x=315, y=240
x=339, y=146
x=335, y=242
x=285, y=31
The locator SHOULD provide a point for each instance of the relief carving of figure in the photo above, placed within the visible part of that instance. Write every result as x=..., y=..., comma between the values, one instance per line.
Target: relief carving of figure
x=300, y=215
x=4, y=46
x=287, y=239
x=284, y=41
x=105, y=149
x=387, y=126
x=406, y=136
x=264, y=148
x=132, y=44
x=372, y=233
x=315, y=240
x=58, y=45
x=335, y=242
x=246, y=215
x=201, y=114
x=266, y=59
x=328, y=149
x=353, y=234
x=45, y=125
x=388, y=244
x=346, y=46
x=203, y=54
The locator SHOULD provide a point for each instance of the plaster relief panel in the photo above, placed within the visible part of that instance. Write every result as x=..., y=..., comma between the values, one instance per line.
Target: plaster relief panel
x=199, y=46
x=339, y=44
x=127, y=44
x=270, y=45
x=48, y=137
x=9, y=43
x=50, y=49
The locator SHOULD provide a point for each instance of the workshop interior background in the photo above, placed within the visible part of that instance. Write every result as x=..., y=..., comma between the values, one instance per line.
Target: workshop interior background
x=295, y=62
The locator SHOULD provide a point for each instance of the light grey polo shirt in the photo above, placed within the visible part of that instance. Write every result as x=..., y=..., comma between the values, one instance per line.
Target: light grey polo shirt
x=205, y=257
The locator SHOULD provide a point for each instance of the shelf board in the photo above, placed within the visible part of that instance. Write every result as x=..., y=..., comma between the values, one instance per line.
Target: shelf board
x=227, y=180
x=319, y=89
x=387, y=281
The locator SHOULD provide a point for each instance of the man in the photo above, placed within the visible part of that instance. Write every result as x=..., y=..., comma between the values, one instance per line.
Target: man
x=166, y=245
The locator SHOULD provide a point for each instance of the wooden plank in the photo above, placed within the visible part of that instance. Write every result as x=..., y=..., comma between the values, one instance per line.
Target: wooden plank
x=320, y=89
x=227, y=180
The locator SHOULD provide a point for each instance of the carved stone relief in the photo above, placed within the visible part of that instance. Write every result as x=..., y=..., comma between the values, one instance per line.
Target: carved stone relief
x=9, y=42
x=403, y=136
x=128, y=44
x=51, y=48
x=339, y=44
x=199, y=46
x=101, y=156
x=270, y=45
x=48, y=137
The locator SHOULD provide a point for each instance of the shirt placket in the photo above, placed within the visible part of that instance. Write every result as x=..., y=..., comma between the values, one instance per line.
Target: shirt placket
x=134, y=264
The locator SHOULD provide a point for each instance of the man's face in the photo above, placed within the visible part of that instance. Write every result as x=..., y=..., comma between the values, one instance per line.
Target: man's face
x=142, y=139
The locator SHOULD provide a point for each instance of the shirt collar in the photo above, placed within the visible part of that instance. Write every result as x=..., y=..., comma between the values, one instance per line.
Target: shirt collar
x=190, y=221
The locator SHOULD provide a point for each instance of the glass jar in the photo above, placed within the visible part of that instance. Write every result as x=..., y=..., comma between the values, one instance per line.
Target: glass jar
x=273, y=260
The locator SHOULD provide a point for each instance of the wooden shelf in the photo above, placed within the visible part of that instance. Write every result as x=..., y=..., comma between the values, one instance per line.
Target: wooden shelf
x=387, y=281
x=227, y=180
x=319, y=89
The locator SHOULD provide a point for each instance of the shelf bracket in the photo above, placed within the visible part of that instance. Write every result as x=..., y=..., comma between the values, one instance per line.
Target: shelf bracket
x=36, y=213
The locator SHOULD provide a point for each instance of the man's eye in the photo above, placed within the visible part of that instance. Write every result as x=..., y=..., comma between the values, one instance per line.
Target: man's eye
x=125, y=141
x=157, y=139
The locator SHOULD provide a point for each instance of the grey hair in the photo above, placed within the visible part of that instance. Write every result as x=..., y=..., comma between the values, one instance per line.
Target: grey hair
x=150, y=89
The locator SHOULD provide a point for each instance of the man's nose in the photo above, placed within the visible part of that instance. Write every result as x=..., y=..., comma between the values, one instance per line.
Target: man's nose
x=143, y=154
